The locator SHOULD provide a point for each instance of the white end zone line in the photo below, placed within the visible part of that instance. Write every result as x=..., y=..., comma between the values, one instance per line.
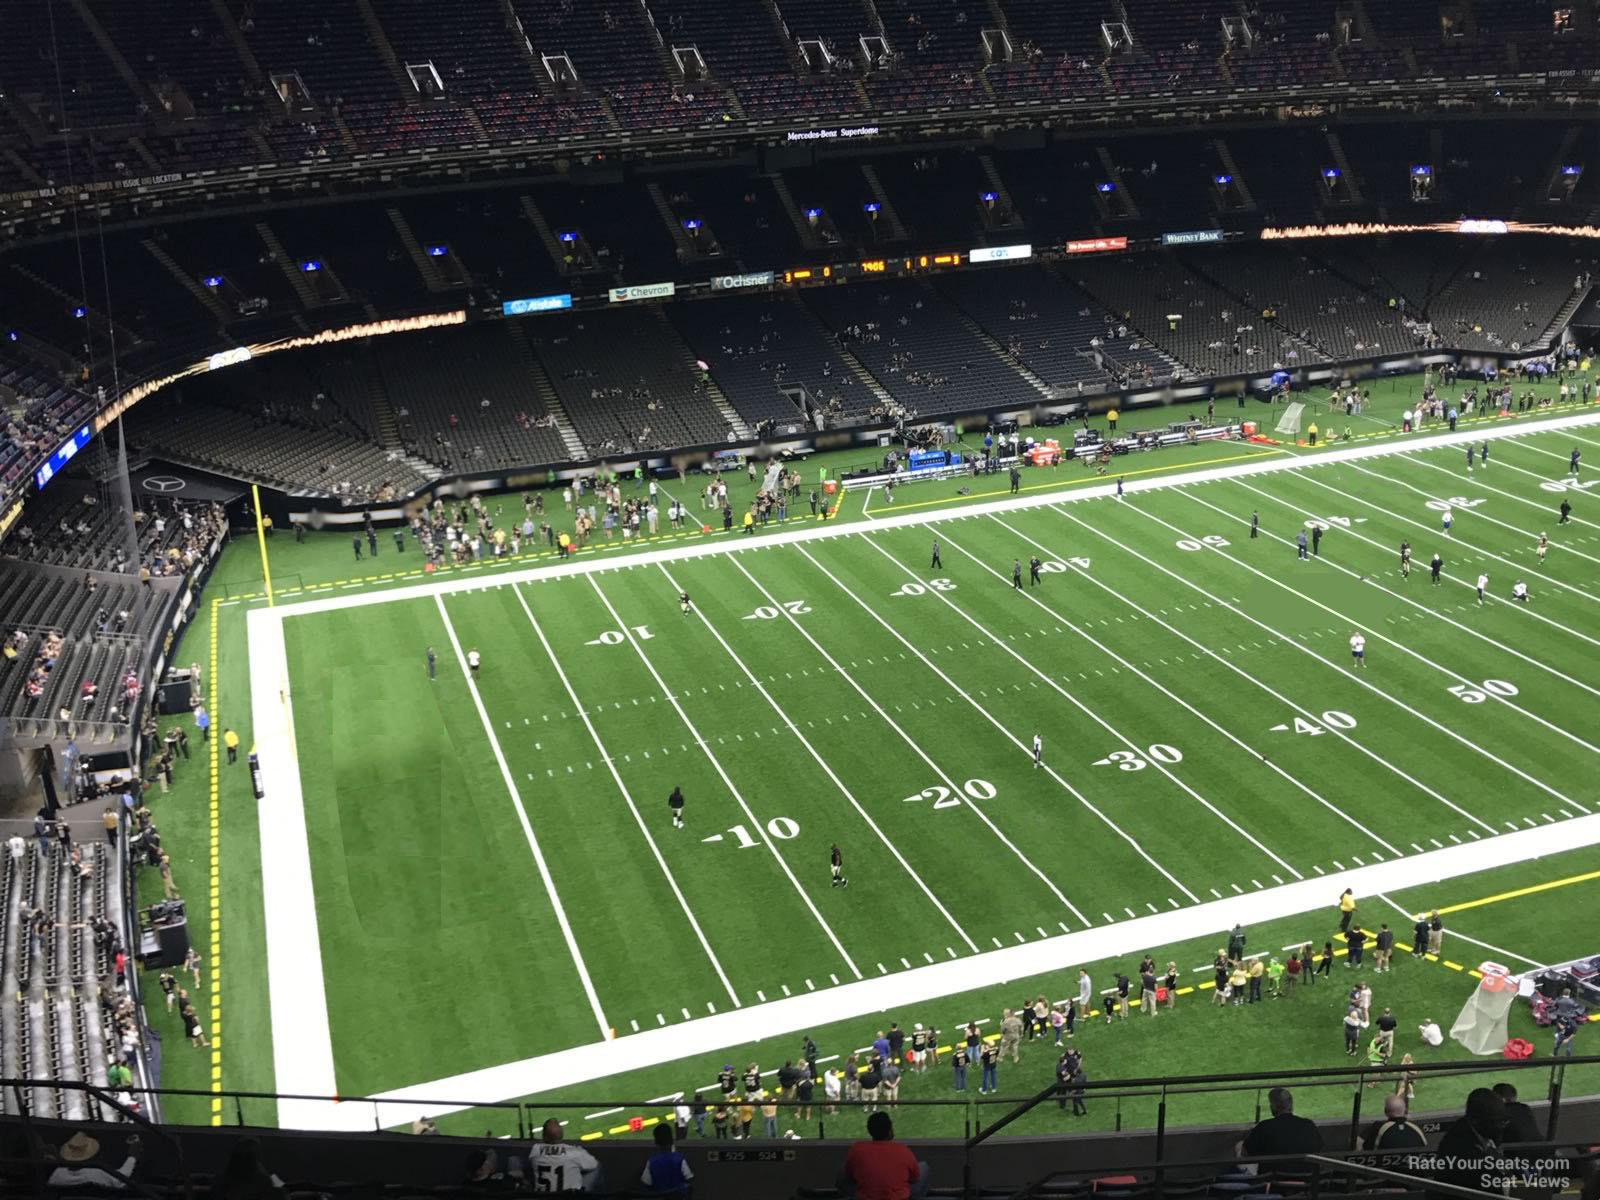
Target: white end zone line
x=302, y=1043
x=712, y=1035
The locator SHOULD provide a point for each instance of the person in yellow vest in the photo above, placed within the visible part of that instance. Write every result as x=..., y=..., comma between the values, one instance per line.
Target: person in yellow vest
x=749, y=521
x=230, y=739
x=1347, y=909
x=564, y=543
x=1311, y=433
x=1111, y=419
x=266, y=525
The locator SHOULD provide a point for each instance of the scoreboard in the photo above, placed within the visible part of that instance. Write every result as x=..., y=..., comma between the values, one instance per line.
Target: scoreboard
x=915, y=264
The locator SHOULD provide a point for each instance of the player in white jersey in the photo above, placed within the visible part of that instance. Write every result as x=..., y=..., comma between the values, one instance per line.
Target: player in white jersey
x=558, y=1166
x=1519, y=592
x=1446, y=518
x=1483, y=584
x=1358, y=650
x=1038, y=751
x=473, y=660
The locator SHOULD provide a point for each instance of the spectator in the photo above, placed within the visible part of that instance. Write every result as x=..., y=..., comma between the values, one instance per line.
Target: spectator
x=1521, y=1124
x=244, y=1178
x=484, y=1174
x=1472, y=1138
x=665, y=1172
x=1430, y=1033
x=1283, y=1132
x=882, y=1169
x=558, y=1166
x=1396, y=1131
x=80, y=1148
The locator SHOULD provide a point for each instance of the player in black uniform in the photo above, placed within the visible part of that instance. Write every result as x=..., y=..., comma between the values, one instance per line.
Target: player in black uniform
x=919, y=1048
x=727, y=1080
x=683, y=602
x=675, y=804
x=1435, y=567
x=836, y=860
x=752, y=1080
x=1033, y=571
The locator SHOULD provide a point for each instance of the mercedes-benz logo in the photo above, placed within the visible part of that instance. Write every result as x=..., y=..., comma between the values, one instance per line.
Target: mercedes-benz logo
x=164, y=483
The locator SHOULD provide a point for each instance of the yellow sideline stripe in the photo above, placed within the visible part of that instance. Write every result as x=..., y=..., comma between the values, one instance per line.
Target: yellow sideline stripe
x=214, y=811
x=1527, y=891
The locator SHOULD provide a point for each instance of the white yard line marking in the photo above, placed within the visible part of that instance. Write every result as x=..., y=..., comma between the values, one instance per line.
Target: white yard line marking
x=710, y=1036
x=939, y=772
x=1111, y=730
x=1416, y=783
x=1478, y=483
x=527, y=826
x=1428, y=662
x=1432, y=614
x=1016, y=741
x=1434, y=531
x=627, y=796
x=1254, y=754
x=1354, y=676
x=844, y=790
x=733, y=790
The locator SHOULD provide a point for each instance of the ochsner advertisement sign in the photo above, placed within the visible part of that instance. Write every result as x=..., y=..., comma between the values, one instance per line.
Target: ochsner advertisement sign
x=1194, y=237
x=643, y=291
x=756, y=279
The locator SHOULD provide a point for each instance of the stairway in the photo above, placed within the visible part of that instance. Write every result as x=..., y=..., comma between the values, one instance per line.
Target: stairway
x=1225, y=157
x=669, y=65
x=687, y=251
x=387, y=426
x=983, y=335
x=425, y=265
x=125, y=336
x=1351, y=183
x=1561, y=320
x=998, y=16
x=713, y=393
x=380, y=43
x=291, y=270
x=113, y=55
x=1121, y=198
x=796, y=61
x=992, y=174
x=802, y=227
x=206, y=297
x=857, y=368
x=542, y=228
x=230, y=27
x=542, y=82
x=886, y=211
x=545, y=393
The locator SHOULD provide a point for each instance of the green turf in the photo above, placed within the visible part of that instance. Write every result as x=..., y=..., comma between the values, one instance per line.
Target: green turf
x=422, y=869
x=1299, y=1031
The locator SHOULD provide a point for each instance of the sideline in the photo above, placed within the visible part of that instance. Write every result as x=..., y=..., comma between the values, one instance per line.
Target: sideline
x=302, y=1043
x=712, y=1035
x=902, y=519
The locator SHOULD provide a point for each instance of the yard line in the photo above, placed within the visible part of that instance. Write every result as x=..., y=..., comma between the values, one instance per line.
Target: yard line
x=1467, y=742
x=1096, y=717
x=1016, y=741
x=1477, y=482
x=527, y=826
x=940, y=773
x=1443, y=670
x=826, y=769
x=1453, y=580
x=1128, y=602
x=758, y=826
x=1477, y=549
x=1474, y=514
x=626, y=795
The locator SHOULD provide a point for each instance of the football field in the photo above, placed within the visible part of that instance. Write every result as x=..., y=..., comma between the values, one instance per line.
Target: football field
x=483, y=865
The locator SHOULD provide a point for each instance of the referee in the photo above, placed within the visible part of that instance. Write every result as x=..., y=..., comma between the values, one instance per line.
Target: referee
x=1016, y=574
x=936, y=563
